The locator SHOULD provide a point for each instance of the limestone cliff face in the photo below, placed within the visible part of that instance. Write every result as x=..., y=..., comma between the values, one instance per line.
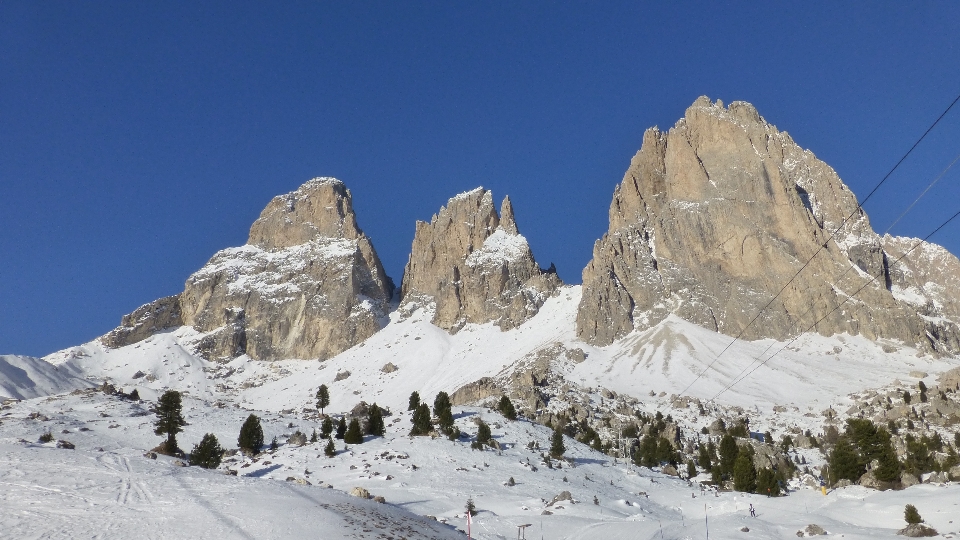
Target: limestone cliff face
x=308, y=284
x=475, y=266
x=715, y=216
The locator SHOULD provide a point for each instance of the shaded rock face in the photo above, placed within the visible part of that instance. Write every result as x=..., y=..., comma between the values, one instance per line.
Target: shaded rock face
x=475, y=266
x=716, y=215
x=308, y=284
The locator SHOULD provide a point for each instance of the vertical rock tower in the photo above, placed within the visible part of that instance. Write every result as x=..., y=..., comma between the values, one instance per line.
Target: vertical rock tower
x=475, y=266
x=716, y=215
x=308, y=284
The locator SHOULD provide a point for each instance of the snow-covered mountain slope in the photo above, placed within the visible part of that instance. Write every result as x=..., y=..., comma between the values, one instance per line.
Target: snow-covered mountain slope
x=107, y=487
x=23, y=377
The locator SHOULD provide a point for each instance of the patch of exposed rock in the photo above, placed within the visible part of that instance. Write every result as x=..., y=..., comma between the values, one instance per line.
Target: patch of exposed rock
x=308, y=284
x=475, y=266
x=716, y=215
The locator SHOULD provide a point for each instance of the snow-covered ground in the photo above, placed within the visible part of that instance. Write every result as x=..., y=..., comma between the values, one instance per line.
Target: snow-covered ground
x=107, y=487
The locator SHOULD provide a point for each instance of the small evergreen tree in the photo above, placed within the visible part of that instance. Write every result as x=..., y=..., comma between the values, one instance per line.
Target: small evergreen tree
x=341, y=428
x=329, y=450
x=744, y=474
x=313, y=437
x=506, y=408
x=556, y=443
x=767, y=483
x=844, y=462
x=170, y=419
x=703, y=458
x=207, y=453
x=323, y=397
x=251, y=435
x=691, y=469
x=911, y=515
x=441, y=403
x=729, y=451
x=375, y=425
x=470, y=507
x=483, y=433
x=414, y=401
x=421, y=420
x=326, y=428
x=274, y=444
x=353, y=434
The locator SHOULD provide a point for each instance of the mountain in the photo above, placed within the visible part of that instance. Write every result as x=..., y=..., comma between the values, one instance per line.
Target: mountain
x=719, y=213
x=308, y=284
x=474, y=266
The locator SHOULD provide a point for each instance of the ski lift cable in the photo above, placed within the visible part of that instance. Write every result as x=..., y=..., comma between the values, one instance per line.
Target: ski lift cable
x=872, y=279
x=856, y=211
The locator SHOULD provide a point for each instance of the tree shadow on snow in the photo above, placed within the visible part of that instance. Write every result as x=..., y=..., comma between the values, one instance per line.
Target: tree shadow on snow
x=263, y=472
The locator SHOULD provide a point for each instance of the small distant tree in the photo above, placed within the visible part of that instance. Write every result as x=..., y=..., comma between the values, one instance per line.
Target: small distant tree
x=313, y=437
x=414, y=401
x=506, y=408
x=911, y=515
x=767, y=437
x=906, y=397
x=326, y=428
x=353, y=434
x=170, y=419
x=744, y=474
x=341, y=428
x=767, y=483
x=483, y=433
x=556, y=443
x=729, y=451
x=323, y=397
x=470, y=507
x=207, y=453
x=330, y=450
x=375, y=425
x=703, y=458
x=251, y=435
x=691, y=469
x=441, y=403
x=421, y=420
x=844, y=462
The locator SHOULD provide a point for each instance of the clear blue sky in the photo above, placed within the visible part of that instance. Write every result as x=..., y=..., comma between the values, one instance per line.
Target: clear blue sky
x=136, y=141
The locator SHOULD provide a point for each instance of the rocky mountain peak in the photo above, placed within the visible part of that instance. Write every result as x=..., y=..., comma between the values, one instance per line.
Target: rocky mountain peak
x=474, y=266
x=715, y=215
x=321, y=207
x=308, y=284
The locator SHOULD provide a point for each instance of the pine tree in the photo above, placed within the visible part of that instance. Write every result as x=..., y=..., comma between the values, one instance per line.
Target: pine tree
x=470, y=507
x=207, y=453
x=445, y=420
x=729, y=451
x=441, y=403
x=323, y=397
x=691, y=469
x=911, y=515
x=767, y=483
x=375, y=425
x=274, y=444
x=170, y=419
x=703, y=458
x=421, y=420
x=330, y=450
x=483, y=433
x=341, y=428
x=744, y=475
x=353, y=434
x=414, y=401
x=556, y=443
x=506, y=408
x=251, y=435
x=326, y=428
x=844, y=462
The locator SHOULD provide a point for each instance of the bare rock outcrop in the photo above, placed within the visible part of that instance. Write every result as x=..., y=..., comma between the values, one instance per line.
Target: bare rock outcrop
x=716, y=215
x=308, y=284
x=475, y=266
